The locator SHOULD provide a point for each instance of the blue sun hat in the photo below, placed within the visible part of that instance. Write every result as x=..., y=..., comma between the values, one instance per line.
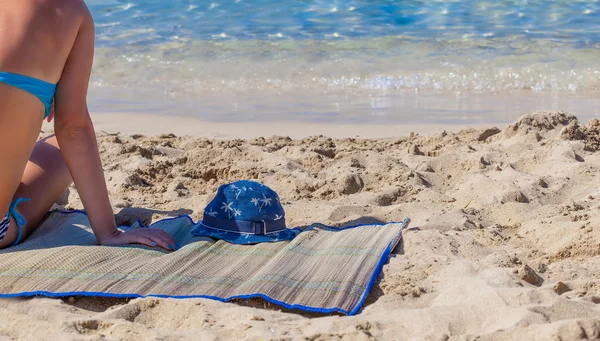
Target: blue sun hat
x=245, y=212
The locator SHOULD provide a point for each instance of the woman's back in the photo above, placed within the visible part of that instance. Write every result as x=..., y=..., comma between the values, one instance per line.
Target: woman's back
x=36, y=36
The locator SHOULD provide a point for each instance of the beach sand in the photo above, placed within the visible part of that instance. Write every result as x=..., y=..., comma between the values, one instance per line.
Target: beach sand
x=504, y=242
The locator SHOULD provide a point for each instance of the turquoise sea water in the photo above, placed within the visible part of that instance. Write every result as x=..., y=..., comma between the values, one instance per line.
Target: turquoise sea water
x=347, y=60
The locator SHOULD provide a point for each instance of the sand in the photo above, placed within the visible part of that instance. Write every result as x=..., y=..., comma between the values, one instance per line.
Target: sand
x=504, y=242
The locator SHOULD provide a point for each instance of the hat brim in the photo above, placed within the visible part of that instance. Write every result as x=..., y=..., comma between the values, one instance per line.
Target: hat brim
x=202, y=230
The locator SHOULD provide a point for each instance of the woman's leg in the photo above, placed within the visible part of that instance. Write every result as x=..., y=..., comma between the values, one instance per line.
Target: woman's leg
x=45, y=179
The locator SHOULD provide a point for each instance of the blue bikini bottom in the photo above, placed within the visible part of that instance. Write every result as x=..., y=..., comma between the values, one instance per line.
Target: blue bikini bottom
x=43, y=90
x=5, y=222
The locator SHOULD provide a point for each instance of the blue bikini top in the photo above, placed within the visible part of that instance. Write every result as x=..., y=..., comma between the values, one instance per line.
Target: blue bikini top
x=41, y=89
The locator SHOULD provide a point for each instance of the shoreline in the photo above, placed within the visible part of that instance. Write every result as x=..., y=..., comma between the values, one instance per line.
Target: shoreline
x=226, y=115
x=152, y=125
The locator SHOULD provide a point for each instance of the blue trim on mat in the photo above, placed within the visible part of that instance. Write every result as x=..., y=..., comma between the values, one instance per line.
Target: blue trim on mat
x=216, y=298
x=374, y=276
x=376, y=272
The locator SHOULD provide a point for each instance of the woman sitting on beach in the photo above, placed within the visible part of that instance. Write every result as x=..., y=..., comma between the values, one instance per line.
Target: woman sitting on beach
x=46, y=55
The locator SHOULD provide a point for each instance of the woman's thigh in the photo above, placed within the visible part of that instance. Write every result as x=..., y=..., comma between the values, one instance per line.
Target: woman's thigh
x=44, y=180
x=20, y=123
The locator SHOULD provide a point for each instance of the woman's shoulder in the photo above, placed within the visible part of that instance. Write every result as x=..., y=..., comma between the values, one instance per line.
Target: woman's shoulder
x=70, y=12
x=70, y=8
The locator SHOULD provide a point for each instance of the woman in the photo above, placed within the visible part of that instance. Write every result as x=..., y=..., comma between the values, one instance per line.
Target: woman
x=46, y=55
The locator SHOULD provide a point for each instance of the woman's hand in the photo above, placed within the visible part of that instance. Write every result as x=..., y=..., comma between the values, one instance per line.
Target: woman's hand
x=146, y=236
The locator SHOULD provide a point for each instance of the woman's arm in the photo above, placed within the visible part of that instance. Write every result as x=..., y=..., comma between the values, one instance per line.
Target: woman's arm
x=77, y=139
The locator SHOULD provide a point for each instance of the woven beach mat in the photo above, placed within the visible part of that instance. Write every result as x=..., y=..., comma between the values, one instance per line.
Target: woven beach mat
x=324, y=269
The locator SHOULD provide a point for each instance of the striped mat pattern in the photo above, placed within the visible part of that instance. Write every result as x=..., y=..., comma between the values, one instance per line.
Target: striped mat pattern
x=323, y=270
